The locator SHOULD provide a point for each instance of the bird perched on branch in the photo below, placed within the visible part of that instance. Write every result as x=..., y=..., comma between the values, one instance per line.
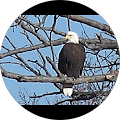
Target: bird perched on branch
x=71, y=60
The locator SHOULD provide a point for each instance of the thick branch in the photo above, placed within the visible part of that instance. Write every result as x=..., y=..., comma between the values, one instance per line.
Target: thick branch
x=93, y=44
x=90, y=22
x=34, y=47
x=87, y=79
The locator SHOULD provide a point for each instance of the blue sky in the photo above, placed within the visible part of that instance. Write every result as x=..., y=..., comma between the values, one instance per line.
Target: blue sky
x=20, y=40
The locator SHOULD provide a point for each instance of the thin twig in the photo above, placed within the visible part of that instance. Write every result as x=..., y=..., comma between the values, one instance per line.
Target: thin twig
x=43, y=95
x=51, y=45
x=68, y=20
x=54, y=66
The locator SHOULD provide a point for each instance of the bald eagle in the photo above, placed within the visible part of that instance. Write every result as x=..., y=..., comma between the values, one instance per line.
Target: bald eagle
x=71, y=60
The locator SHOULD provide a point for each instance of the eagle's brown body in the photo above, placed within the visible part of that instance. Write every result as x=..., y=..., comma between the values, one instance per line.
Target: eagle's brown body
x=71, y=60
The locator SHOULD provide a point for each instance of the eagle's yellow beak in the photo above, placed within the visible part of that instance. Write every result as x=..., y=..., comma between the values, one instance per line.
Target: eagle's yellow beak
x=67, y=37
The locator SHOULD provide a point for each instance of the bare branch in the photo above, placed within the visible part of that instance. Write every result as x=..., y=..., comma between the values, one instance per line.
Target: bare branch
x=54, y=66
x=84, y=96
x=51, y=46
x=85, y=79
x=90, y=22
x=47, y=73
x=39, y=96
x=68, y=20
x=89, y=43
x=21, y=59
x=34, y=47
x=25, y=27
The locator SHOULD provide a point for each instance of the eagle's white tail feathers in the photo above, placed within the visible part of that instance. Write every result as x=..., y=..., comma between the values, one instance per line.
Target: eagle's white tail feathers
x=68, y=91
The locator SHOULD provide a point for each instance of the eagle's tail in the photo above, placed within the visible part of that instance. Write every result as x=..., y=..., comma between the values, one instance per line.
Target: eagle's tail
x=68, y=91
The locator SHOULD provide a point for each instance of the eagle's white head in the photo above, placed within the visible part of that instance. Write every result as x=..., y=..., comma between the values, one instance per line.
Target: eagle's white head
x=72, y=37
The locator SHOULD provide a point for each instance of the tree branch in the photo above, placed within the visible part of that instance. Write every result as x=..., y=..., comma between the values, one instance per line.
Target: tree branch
x=25, y=27
x=54, y=66
x=93, y=44
x=86, y=79
x=90, y=22
x=84, y=96
x=39, y=96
